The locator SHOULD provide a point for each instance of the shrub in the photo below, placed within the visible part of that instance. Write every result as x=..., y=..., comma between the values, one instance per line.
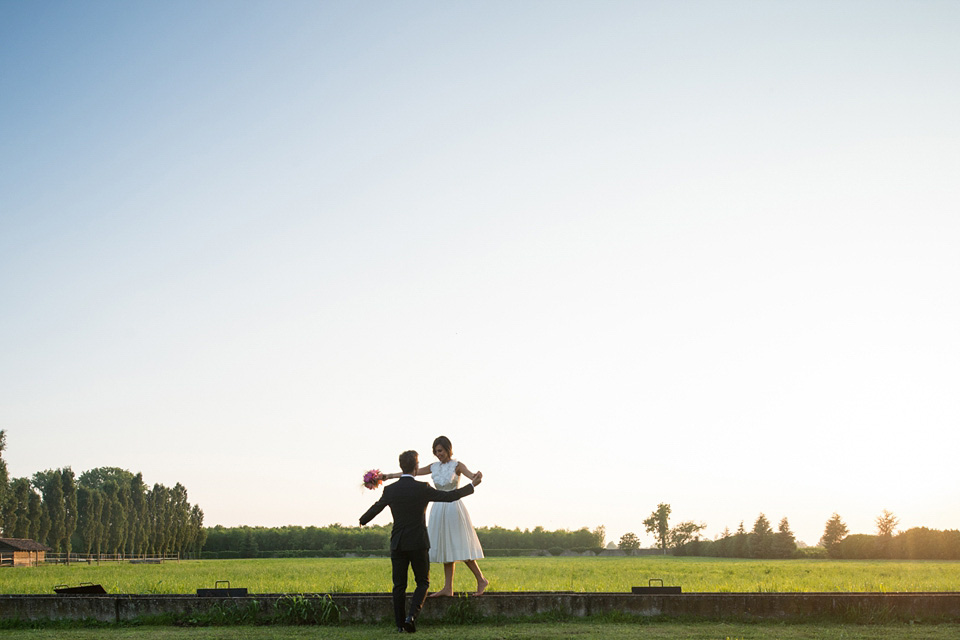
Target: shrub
x=299, y=609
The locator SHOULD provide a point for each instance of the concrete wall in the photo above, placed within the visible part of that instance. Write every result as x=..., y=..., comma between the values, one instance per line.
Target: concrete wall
x=850, y=607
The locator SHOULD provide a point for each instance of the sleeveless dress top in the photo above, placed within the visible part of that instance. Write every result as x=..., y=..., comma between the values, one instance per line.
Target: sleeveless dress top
x=452, y=537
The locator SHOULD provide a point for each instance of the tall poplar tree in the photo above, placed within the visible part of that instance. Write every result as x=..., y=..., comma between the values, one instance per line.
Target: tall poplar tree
x=20, y=493
x=4, y=484
x=39, y=522
x=180, y=517
x=157, y=508
x=197, y=528
x=106, y=517
x=136, y=516
x=84, y=515
x=69, y=489
x=114, y=517
x=91, y=522
x=50, y=484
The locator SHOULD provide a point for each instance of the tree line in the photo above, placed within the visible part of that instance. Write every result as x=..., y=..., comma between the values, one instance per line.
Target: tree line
x=250, y=542
x=104, y=510
x=336, y=539
x=540, y=538
x=917, y=543
x=672, y=539
x=761, y=541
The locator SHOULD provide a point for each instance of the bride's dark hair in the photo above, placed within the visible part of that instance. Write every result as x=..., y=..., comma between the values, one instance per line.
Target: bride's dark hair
x=444, y=442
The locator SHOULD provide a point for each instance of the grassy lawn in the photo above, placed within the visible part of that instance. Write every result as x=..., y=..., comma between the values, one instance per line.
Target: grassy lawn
x=581, y=574
x=525, y=631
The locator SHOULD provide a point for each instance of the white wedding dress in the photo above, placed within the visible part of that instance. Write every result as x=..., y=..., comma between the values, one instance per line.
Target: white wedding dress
x=452, y=537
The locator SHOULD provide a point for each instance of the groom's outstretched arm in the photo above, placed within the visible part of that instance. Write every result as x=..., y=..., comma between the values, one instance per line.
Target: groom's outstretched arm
x=449, y=496
x=372, y=512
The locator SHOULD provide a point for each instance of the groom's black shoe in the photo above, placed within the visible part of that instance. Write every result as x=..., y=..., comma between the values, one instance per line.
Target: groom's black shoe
x=410, y=625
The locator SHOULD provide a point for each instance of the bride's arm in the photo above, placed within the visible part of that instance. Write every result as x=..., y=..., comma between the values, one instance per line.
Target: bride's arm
x=462, y=468
x=422, y=471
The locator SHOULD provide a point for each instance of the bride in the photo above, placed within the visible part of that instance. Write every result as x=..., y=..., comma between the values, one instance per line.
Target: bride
x=452, y=537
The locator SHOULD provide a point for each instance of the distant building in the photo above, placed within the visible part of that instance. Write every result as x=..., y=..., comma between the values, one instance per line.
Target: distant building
x=18, y=552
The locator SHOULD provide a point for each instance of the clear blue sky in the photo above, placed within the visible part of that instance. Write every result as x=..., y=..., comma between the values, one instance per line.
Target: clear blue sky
x=621, y=253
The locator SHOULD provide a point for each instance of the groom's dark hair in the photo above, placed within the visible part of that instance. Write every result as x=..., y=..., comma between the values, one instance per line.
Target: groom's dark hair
x=408, y=461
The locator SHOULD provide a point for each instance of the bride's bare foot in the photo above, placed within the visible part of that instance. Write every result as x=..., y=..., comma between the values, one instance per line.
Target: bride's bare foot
x=482, y=585
x=442, y=592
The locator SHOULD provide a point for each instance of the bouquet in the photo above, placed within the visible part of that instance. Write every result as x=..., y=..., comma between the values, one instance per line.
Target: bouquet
x=372, y=479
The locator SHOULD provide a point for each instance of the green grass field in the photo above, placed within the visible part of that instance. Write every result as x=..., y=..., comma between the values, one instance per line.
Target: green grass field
x=581, y=574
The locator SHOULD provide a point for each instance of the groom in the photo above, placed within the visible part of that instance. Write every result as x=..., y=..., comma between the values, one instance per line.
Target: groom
x=409, y=543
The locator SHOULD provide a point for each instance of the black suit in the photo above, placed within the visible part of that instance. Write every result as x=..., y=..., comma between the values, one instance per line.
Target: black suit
x=409, y=542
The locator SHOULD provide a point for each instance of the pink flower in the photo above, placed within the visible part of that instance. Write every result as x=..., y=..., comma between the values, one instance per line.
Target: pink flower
x=372, y=479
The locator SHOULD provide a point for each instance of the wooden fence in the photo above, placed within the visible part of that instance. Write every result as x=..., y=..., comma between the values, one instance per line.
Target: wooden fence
x=99, y=558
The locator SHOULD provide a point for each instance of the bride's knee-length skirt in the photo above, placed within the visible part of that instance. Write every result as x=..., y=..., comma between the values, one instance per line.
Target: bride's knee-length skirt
x=452, y=537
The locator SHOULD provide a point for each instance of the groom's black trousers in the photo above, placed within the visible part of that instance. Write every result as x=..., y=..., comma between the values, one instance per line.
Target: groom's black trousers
x=419, y=561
